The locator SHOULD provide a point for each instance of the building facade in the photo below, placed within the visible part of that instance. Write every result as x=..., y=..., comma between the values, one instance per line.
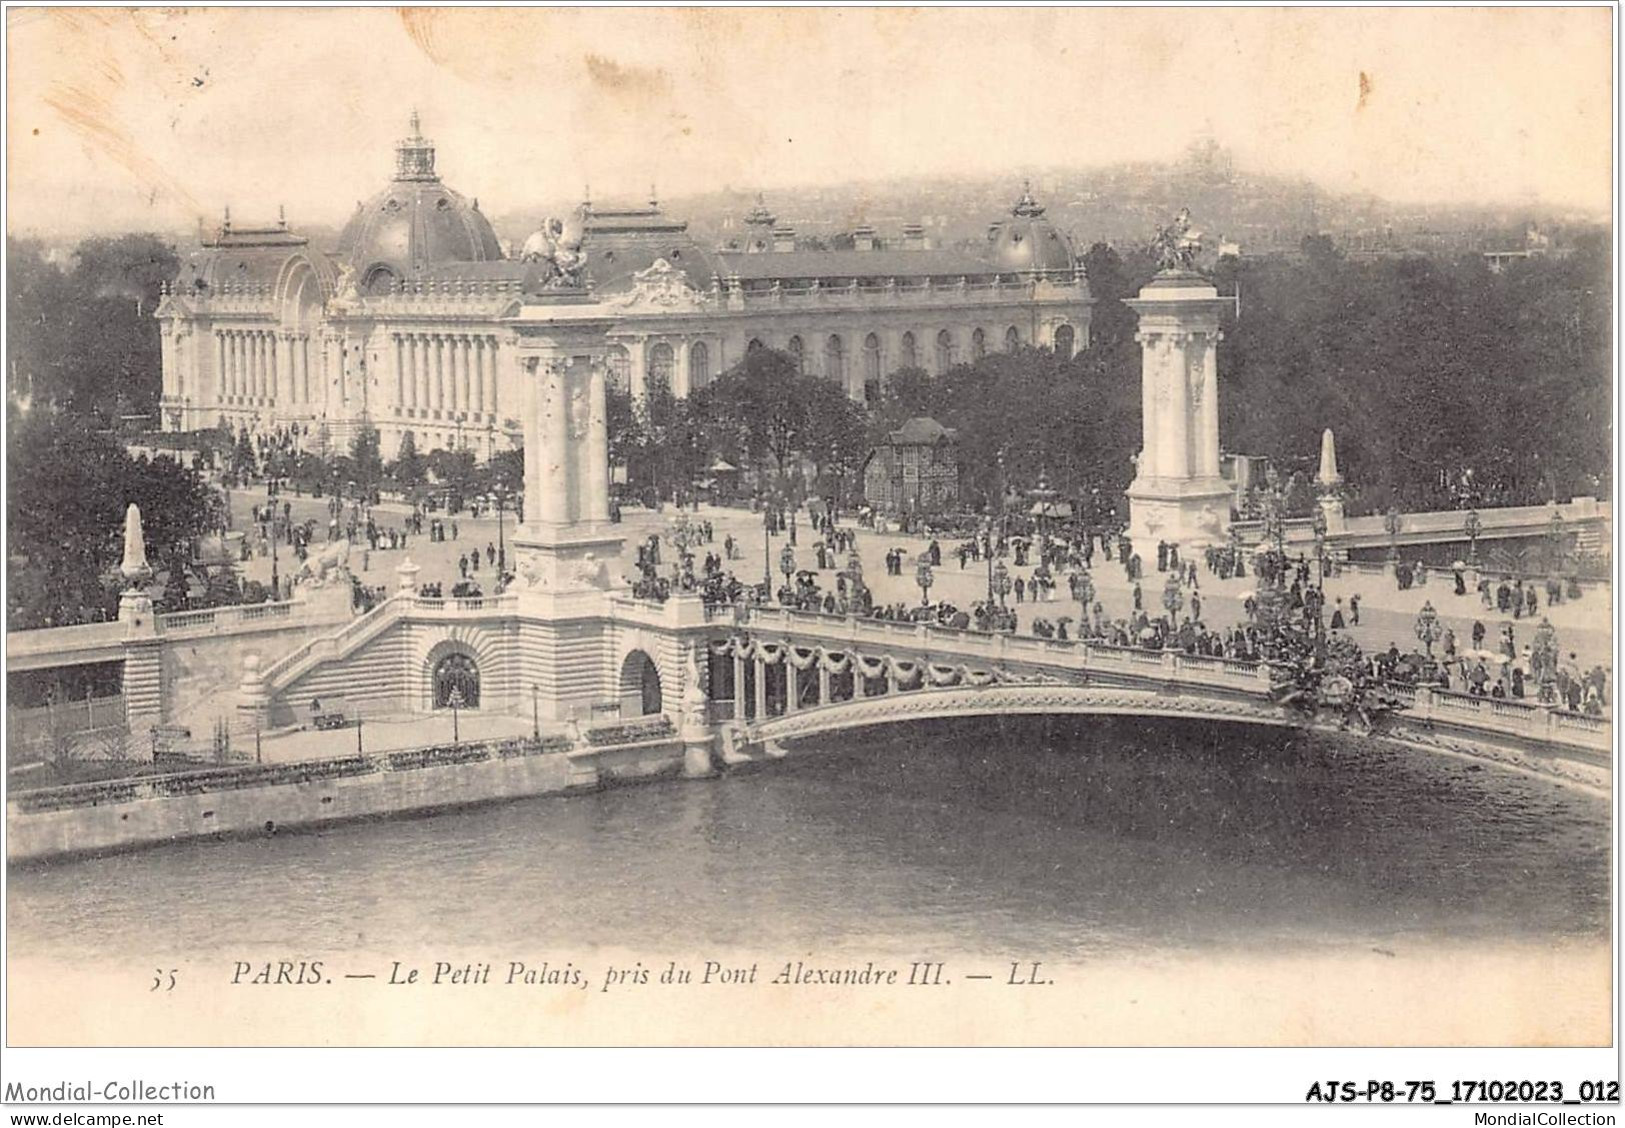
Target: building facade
x=409, y=323
x=916, y=470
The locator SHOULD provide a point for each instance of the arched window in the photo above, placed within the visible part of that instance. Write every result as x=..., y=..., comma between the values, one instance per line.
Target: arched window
x=798, y=351
x=911, y=353
x=1064, y=342
x=945, y=352
x=619, y=363
x=1012, y=339
x=835, y=360
x=755, y=345
x=871, y=369
x=699, y=365
x=662, y=361
x=456, y=682
x=978, y=345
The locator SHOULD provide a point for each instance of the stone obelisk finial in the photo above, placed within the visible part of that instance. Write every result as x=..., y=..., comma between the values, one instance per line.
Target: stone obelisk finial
x=1328, y=476
x=134, y=569
x=135, y=605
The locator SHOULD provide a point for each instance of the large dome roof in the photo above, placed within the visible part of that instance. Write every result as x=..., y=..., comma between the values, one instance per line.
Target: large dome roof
x=1027, y=242
x=416, y=223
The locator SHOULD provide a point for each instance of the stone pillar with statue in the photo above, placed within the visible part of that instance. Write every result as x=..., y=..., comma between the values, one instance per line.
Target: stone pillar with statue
x=1178, y=494
x=567, y=546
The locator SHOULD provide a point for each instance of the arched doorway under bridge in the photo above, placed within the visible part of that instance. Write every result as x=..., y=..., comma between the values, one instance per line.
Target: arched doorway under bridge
x=456, y=676
x=640, y=693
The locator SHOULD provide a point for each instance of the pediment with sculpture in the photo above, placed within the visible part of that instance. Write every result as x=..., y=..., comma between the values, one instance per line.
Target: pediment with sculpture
x=660, y=286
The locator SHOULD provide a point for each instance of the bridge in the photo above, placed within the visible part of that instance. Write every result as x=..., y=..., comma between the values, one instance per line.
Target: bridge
x=764, y=676
x=799, y=674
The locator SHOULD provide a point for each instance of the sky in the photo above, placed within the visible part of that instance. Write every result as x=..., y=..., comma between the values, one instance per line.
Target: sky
x=160, y=118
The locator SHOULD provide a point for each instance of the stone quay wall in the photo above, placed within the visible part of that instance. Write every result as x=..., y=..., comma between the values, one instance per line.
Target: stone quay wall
x=132, y=813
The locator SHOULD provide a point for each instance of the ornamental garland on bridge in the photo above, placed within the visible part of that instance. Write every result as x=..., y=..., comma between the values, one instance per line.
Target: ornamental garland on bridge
x=907, y=673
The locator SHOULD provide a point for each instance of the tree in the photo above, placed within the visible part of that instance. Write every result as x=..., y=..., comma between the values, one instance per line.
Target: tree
x=366, y=459
x=68, y=487
x=835, y=437
x=408, y=469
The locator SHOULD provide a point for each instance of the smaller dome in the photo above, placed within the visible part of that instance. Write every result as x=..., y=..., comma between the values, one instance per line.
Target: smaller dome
x=1027, y=242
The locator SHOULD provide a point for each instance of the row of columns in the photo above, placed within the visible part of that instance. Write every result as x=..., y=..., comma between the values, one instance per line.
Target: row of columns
x=263, y=366
x=793, y=677
x=444, y=374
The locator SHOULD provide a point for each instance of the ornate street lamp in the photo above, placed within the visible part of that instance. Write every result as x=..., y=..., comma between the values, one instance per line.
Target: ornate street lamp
x=1543, y=659
x=767, y=546
x=1086, y=592
x=1556, y=533
x=1172, y=598
x=923, y=577
x=1428, y=628
x=787, y=563
x=1392, y=522
x=455, y=700
x=1318, y=523
x=1001, y=582
x=1473, y=526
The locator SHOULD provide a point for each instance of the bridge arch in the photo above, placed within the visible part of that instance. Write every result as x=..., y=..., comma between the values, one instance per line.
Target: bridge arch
x=925, y=704
x=639, y=689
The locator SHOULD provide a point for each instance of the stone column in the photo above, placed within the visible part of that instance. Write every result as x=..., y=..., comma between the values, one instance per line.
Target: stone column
x=530, y=388
x=1208, y=429
x=1176, y=394
x=597, y=444
x=400, y=370
x=489, y=373
x=823, y=685
x=739, y=687
x=437, y=348
x=262, y=378
x=477, y=351
x=792, y=686
x=553, y=502
x=637, y=372
x=761, y=690
x=679, y=369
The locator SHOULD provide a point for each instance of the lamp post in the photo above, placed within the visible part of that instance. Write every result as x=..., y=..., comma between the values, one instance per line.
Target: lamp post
x=276, y=583
x=1556, y=532
x=767, y=545
x=1473, y=526
x=1392, y=522
x=1428, y=628
x=923, y=577
x=502, y=548
x=1318, y=523
x=1172, y=598
x=1543, y=659
x=455, y=700
x=787, y=563
x=536, y=712
x=1001, y=582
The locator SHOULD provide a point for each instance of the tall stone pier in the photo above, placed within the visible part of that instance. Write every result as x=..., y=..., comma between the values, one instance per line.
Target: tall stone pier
x=1178, y=494
x=566, y=545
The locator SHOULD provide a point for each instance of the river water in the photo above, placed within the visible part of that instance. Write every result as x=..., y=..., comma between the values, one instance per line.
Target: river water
x=1066, y=838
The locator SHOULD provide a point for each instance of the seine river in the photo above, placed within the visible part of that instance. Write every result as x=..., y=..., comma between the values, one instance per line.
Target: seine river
x=1064, y=838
